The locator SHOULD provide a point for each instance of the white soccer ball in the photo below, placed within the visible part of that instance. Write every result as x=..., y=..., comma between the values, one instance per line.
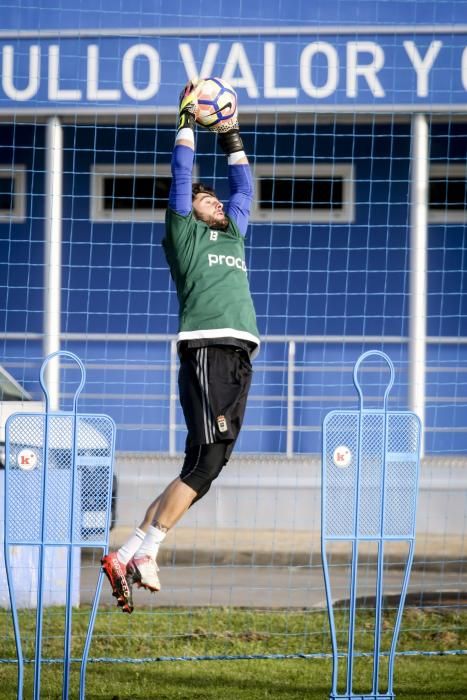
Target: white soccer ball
x=217, y=103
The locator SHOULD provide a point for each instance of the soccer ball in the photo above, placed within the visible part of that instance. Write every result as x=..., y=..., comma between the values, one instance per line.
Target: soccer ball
x=217, y=104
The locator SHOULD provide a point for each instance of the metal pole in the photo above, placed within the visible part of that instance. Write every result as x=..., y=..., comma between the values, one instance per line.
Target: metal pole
x=290, y=399
x=418, y=267
x=53, y=255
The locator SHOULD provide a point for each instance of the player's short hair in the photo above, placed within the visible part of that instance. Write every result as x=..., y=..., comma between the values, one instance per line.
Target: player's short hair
x=199, y=188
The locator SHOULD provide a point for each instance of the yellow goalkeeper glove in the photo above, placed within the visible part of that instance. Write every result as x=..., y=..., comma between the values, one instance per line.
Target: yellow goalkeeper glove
x=188, y=105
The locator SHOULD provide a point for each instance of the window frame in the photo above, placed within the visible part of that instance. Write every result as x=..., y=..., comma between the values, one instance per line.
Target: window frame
x=98, y=173
x=18, y=173
x=345, y=215
x=446, y=216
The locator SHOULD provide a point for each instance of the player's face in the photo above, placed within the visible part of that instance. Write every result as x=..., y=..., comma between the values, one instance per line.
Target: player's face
x=207, y=208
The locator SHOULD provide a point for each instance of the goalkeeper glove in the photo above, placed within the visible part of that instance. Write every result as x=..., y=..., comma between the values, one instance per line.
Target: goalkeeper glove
x=228, y=134
x=188, y=106
x=230, y=141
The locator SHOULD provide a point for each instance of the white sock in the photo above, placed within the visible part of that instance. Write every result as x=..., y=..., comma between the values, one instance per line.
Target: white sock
x=151, y=543
x=127, y=551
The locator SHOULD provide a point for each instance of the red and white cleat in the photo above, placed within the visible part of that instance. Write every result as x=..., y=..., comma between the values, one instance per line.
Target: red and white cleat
x=143, y=571
x=119, y=580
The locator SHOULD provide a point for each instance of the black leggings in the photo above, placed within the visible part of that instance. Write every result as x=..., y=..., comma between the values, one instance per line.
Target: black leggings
x=203, y=464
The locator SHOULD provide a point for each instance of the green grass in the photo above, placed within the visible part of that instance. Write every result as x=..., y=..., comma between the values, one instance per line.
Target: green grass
x=233, y=632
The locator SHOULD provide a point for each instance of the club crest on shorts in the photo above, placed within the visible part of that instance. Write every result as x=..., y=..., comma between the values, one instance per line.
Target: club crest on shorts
x=221, y=424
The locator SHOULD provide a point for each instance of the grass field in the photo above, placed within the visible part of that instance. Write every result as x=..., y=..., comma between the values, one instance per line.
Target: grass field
x=233, y=632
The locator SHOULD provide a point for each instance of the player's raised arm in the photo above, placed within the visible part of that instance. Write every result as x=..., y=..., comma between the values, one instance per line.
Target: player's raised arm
x=184, y=152
x=240, y=179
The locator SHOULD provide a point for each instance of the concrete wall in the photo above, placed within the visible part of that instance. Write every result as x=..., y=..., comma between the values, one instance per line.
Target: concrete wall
x=273, y=493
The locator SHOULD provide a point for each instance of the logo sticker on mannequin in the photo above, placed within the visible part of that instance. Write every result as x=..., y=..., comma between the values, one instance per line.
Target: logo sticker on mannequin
x=342, y=456
x=27, y=460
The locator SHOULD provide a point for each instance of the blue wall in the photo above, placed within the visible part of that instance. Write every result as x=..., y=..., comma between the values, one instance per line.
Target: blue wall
x=322, y=278
x=339, y=279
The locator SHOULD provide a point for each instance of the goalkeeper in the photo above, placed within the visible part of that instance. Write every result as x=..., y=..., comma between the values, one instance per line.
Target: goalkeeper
x=204, y=247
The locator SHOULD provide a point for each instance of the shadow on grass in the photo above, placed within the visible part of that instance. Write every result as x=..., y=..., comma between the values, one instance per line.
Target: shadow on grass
x=240, y=681
x=416, y=678
x=438, y=678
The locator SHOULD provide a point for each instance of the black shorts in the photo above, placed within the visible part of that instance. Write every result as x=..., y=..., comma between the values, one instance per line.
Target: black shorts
x=214, y=382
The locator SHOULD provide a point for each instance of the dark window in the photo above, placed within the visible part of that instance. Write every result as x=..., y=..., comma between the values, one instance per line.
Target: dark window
x=448, y=193
x=319, y=192
x=7, y=193
x=141, y=192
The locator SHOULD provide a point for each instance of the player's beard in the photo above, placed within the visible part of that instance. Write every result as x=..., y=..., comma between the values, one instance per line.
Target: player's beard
x=216, y=224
